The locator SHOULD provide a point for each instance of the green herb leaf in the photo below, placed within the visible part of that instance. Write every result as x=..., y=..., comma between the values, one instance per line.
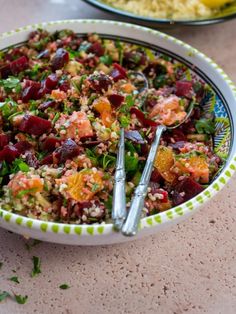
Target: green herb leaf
x=36, y=269
x=14, y=279
x=129, y=102
x=8, y=108
x=119, y=46
x=4, y=295
x=124, y=121
x=24, y=192
x=11, y=83
x=131, y=163
x=106, y=161
x=19, y=165
x=106, y=59
x=92, y=156
x=64, y=286
x=108, y=203
x=56, y=117
x=1, y=265
x=20, y=298
x=95, y=187
x=205, y=126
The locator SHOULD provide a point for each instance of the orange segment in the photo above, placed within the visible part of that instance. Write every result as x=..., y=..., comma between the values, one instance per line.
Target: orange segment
x=20, y=183
x=164, y=162
x=196, y=166
x=107, y=119
x=83, y=185
x=102, y=104
x=128, y=88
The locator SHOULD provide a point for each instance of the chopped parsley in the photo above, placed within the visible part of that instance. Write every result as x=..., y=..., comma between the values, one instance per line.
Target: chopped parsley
x=124, y=121
x=106, y=59
x=14, y=279
x=25, y=192
x=8, y=108
x=36, y=266
x=206, y=126
x=129, y=102
x=20, y=298
x=4, y=295
x=56, y=117
x=95, y=187
x=11, y=83
x=19, y=165
x=64, y=286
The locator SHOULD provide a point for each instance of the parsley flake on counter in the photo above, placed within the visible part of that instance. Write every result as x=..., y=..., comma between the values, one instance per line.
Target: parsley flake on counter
x=20, y=298
x=14, y=279
x=64, y=286
x=3, y=295
x=36, y=268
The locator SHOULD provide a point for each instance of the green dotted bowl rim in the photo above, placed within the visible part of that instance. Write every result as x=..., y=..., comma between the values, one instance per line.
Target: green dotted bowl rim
x=147, y=222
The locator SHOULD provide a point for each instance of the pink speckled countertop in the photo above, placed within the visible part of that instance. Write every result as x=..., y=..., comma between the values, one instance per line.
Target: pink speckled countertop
x=190, y=268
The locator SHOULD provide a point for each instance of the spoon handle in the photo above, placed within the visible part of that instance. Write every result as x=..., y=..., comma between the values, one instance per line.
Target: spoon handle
x=130, y=226
x=119, y=199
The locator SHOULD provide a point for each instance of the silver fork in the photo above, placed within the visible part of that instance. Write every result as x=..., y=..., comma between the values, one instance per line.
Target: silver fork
x=130, y=226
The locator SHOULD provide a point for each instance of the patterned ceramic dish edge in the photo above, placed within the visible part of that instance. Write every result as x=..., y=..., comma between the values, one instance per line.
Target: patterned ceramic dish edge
x=105, y=234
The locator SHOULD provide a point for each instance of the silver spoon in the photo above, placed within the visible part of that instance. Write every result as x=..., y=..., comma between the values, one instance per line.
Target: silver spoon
x=119, y=211
x=130, y=226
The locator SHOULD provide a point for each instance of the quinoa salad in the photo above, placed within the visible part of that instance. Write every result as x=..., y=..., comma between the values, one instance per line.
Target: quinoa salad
x=63, y=100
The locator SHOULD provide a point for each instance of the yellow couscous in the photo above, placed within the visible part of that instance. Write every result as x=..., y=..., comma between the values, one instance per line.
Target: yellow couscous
x=170, y=9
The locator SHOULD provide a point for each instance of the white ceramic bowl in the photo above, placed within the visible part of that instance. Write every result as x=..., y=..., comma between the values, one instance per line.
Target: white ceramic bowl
x=206, y=68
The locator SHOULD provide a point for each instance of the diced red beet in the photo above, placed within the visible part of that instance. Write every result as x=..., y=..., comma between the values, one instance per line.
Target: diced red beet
x=42, y=91
x=50, y=143
x=51, y=81
x=185, y=189
x=22, y=146
x=134, y=136
x=183, y=88
x=68, y=150
x=4, y=140
x=19, y=65
x=64, y=86
x=30, y=90
x=176, y=134
x=5, y=71
x=14, y=53
x=34, y=125
x=47, y=160
x=60, y=59
x=47, y=104
x=155, y=176
x=100, y=82
x=31, y=160
x=141, y=117
x=133, y=59
x=118, y=72
x=9, y=153
x=97, y=49
x=116, y=100
x=196, y=115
